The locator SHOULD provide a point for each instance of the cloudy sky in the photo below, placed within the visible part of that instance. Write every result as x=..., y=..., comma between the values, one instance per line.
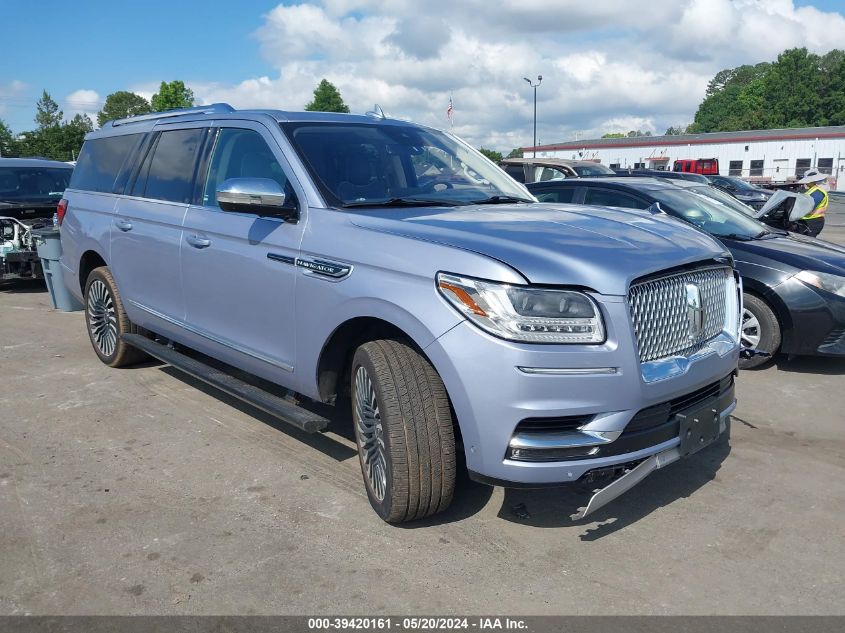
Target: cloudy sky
x=610, y=65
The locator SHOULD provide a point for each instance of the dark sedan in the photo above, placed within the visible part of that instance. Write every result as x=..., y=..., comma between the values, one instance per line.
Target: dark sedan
x=752, y=195
x=794, y=285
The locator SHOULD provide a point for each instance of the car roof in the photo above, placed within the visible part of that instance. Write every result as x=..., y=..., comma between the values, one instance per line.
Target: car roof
x=643, y=183
x=223, y=111
x=34, y=162
x=545, y=161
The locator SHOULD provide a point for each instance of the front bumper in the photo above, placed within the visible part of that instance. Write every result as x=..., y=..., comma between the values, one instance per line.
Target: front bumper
x=495, y=385
x=817, y=317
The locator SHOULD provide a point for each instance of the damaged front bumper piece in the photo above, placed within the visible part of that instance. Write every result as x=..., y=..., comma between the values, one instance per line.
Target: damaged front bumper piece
x=697, y=430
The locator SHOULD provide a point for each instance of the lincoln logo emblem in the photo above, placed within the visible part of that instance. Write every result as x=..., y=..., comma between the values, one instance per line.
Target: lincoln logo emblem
x=695, y=313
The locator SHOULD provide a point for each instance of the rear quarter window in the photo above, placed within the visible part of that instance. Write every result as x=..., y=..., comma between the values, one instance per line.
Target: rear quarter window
x=100, y=161
x=613, y=198
x=560, y=195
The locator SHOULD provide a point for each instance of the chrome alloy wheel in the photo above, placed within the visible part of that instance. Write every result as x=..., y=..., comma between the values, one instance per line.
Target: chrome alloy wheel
x=102, y=321
x=370, y=433
x=750, y=334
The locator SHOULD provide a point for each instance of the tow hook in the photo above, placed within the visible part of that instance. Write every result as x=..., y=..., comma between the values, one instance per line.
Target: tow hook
x=749, y=352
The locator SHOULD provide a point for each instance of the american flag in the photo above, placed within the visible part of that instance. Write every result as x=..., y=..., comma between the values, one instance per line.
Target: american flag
x=450, y=109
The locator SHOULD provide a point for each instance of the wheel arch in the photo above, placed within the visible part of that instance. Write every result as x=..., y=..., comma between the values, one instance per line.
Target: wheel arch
x=770, y=297
x=90, y=260
x=336, y=354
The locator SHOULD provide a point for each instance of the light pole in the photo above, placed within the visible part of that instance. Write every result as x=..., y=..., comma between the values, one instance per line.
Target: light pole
x=533, y=85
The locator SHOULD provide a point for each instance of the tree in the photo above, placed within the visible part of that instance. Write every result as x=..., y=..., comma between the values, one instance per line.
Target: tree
x=674, y=131
x=516, y=152
x=47, y=112
x=122, y=104
x=73, y=135
x=631, y=134
x=798, y=89
x=793, y=85
x=491, y=154
x=327, y=99
x=7, y=140
x=172, y=95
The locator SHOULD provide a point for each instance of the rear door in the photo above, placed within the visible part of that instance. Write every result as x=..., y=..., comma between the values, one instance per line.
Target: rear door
x=147, y=231
x=239, y=269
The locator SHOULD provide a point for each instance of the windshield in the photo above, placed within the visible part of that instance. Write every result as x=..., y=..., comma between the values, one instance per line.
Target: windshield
x=698, y=206
x=33, y=184
x=356, y=164
x=593, y=170
x=725, y=198
x=739, y=183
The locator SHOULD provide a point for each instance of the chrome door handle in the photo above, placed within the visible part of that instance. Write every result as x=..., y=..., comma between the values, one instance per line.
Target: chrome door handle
x=198, y=242
x=123, y=225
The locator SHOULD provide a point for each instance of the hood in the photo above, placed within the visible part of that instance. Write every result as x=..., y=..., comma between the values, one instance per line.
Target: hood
x=572, y=245
x=792, y=253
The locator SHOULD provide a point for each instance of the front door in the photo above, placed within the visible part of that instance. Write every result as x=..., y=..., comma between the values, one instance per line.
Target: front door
x=238, y=268
x=781, y=169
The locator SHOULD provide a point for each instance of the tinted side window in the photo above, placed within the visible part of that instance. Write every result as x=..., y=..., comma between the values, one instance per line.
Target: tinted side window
x=609, y=198
x=241, y=153
x=100, y=162
x=549, y=173
x=170, y=171
x=559, y=195
x=517, y=172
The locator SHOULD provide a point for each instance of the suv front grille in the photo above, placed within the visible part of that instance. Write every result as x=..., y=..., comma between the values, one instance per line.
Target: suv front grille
x=662, y=316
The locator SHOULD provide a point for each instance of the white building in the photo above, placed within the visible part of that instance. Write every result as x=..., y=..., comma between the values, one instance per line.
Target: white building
x=777, y=156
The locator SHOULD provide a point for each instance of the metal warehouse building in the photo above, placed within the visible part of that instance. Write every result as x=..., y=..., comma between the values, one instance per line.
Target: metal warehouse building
x=777, y=156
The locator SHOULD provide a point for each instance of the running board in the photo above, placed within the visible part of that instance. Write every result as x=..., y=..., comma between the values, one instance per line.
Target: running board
x=255, y=396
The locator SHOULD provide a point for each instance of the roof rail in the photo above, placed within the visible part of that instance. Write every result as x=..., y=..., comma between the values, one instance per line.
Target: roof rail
x=214, y=108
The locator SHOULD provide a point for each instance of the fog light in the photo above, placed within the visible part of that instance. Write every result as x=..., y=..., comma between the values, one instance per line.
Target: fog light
x=551, y=454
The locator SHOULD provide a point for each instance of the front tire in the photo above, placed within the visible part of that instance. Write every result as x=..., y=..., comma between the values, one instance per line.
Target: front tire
x=760, y=330
x=404, y=431
x=106, y=320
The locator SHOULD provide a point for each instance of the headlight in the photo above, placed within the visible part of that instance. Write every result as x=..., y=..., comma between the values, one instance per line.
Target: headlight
x=825, y=281
x=522, y=313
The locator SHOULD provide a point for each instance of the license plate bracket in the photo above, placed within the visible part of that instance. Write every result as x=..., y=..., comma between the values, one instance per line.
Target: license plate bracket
x=699, y=427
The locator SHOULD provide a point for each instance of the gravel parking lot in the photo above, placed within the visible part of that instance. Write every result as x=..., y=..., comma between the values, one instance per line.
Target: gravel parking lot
x=139, y=491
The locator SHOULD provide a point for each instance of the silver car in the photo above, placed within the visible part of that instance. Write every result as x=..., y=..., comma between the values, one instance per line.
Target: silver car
x=388, y=267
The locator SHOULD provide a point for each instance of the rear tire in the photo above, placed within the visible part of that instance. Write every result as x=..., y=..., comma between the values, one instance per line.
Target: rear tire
x=106, y=320
x=760, y=330
x=404, y=431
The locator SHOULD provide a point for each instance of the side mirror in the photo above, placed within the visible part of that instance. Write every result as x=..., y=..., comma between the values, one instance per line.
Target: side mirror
x=261, y=196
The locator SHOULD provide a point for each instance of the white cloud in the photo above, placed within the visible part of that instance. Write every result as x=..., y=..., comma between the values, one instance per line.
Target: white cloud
x=11, y=94
x=606, y=66
x=87, y=102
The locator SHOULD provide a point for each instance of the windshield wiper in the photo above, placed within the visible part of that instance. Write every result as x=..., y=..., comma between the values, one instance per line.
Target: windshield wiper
x=501, y=200
x=769, y=234
x=733, y=236
x=403, y=202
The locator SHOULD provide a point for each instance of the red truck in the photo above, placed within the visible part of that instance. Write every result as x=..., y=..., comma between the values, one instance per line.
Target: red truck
x=706, y=166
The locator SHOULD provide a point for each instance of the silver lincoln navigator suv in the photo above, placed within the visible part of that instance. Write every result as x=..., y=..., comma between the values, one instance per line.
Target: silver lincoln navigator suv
x=389, y=267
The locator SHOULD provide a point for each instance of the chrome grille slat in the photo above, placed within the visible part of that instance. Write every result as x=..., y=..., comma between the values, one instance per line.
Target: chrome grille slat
x=660, y=313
